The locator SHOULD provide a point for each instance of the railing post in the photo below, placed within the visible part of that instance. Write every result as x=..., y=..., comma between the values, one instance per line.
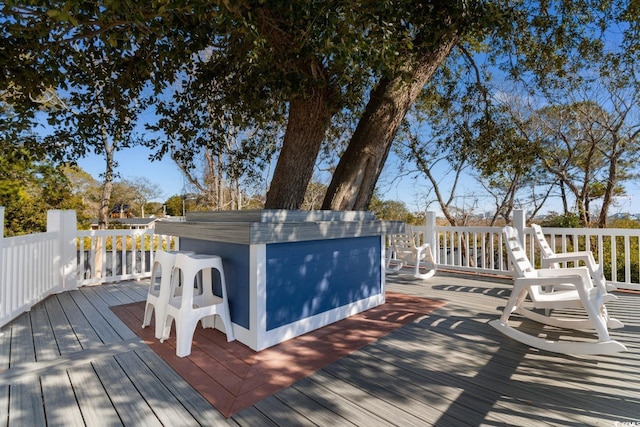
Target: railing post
x=1, y=236
x=519, y=223
x=2, y=284
x=65, y=223
x=430, y=236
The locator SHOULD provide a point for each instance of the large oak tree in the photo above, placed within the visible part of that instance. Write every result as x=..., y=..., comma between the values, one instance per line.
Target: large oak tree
x=290, y=64
x=307, y=60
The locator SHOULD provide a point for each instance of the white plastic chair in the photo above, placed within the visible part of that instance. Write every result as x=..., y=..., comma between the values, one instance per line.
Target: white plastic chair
x=551, y=259
x=406, y=249
x=159, y=288
x=582, y=294
x=188, y=308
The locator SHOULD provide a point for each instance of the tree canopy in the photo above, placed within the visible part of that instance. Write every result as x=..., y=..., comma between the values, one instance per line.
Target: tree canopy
x=288, y=69
x=484, y=109
x=250, y=63
x=29, y=186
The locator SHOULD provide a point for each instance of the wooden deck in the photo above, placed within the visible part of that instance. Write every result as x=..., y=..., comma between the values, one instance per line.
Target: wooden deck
x=71, y=361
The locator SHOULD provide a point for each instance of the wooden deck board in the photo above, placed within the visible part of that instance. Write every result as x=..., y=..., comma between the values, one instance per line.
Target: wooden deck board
x=424, y=394
x=539, y=378
x=136, y=293
x=62, y=330
x=314, y=412
x=5, y=347
x=44, y=341
x=480, y=380
x=126, y=398
x=4, y=405
x=331, y=396
x=21, y=348
x=193, y=402
x=152, y=390
x=97, y=298
x=102, y=327
x=82, y=327
x=251, y=417
x=119, y=294
x=26, y=404
x=93, y=400
x=282, y=413
x=361, y=390
x=71, y=361
x=416, y=393
x=61, y=406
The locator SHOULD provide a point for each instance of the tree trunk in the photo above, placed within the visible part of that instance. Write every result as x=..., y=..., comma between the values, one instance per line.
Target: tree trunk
x=565, y=202
x=220, y=203
x=425, y=167
x=309, y=119
x=356, y=175
x=236, y=197
x=582, y=204
x=612, y=181
x=103, y=212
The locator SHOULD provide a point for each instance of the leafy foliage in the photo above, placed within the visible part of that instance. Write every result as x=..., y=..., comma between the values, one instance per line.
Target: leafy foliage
x=492, y=101
x=29, y=186
x=228, y=66
x=567, y=220
x=391, y=210
x=173, y=206
x=218, y=68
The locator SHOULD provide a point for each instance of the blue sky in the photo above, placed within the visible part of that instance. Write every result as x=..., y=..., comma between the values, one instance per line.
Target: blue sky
x=134, y=162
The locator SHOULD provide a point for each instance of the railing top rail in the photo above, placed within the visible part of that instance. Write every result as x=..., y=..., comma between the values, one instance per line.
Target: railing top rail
x=30, y=238
x=465, y=228
x=547, y=230
x=115, y=232
x=592, y=231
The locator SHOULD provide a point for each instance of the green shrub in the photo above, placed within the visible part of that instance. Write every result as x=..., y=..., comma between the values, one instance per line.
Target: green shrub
x=568, y=220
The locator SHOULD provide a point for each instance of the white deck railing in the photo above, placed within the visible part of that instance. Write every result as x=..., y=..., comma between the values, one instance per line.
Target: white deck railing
x=113, y=255
x=35, y=266
x=610, y=246
x=480, y=249
x=471, y=249
x=27, y=272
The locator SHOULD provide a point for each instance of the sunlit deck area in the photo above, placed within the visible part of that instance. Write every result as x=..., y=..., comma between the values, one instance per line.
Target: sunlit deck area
x=71, y=361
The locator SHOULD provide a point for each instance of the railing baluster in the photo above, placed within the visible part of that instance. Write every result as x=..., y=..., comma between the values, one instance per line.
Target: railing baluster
x=600, y=249
x=27, y=273
x=627, y=259
x=614, y=259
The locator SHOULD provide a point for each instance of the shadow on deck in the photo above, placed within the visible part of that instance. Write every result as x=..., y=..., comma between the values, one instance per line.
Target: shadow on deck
x=71, y=361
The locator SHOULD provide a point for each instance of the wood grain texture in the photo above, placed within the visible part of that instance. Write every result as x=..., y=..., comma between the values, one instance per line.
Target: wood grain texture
x=447, y=368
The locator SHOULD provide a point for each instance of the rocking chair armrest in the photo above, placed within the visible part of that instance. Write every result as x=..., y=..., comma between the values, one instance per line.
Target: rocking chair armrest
x=584, y=256
x=577, y=276
x=572, y=279
x=565, y=272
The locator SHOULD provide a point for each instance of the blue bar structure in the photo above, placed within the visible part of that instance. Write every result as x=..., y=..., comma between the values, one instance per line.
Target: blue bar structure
x=291, y=272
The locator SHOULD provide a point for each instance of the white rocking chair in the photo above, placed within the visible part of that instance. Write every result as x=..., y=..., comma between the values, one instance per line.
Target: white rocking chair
x=406, y=249
x=551, y=259
x=582, y=294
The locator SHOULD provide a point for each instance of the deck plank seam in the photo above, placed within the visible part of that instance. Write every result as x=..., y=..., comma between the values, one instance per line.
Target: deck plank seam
x=74, y=359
